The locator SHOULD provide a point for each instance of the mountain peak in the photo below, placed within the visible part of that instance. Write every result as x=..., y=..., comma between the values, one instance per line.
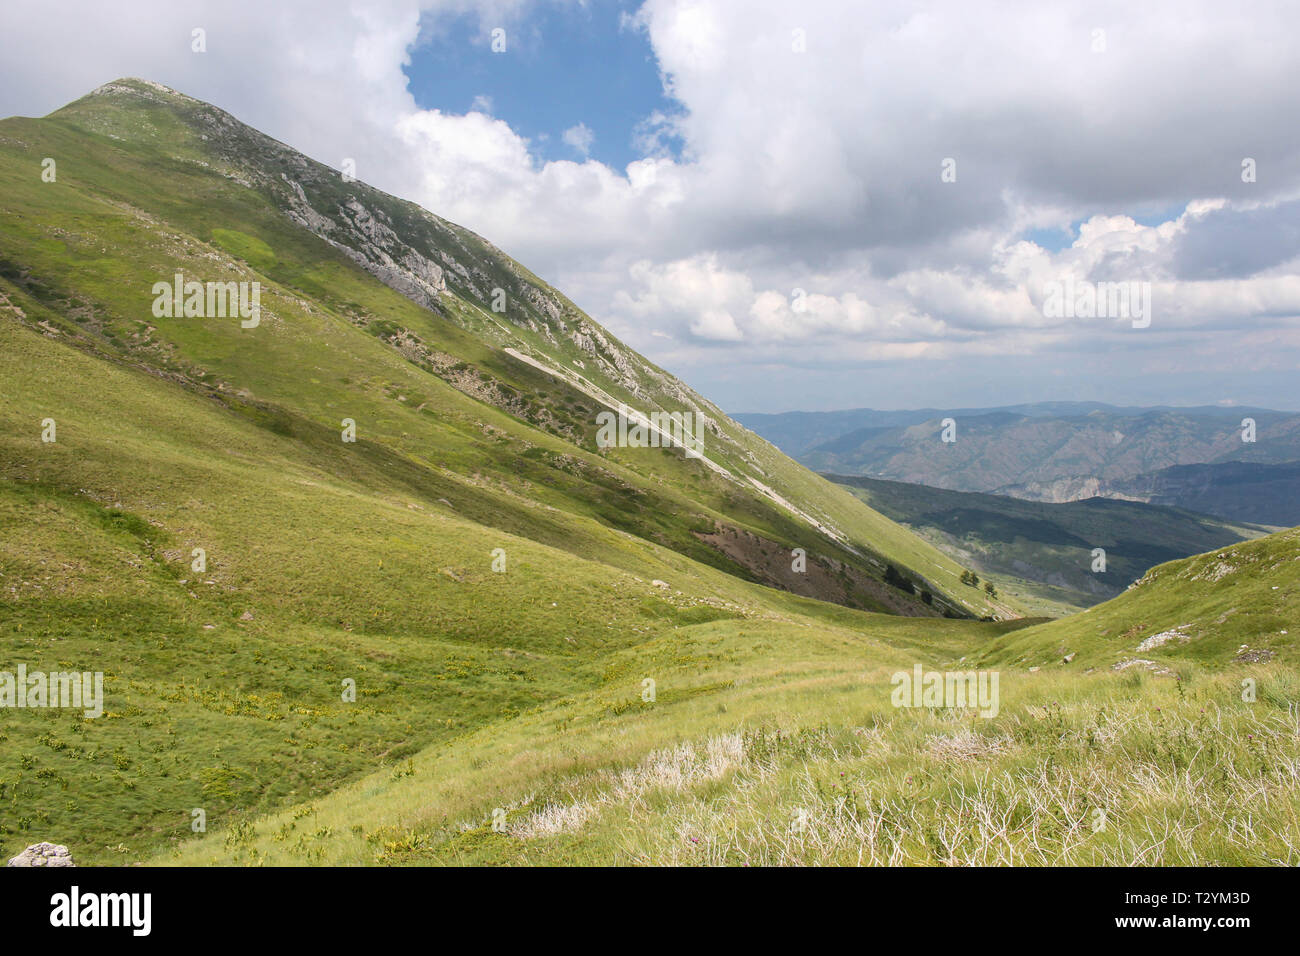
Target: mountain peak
x=137, y=87
x=135, y=84
x=204, y=194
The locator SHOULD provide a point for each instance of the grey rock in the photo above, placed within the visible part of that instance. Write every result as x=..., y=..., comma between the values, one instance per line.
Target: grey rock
x=43, y=854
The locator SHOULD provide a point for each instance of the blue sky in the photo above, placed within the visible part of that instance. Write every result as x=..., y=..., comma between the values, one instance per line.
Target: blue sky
x=1054, y=239
x=563, y=66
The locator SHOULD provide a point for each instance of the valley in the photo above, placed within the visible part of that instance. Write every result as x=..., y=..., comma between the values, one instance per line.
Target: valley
x=1052, y=558
x=365, y=587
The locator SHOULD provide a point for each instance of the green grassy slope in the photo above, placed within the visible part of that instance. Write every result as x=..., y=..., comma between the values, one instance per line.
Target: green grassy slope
x=224, y=688
x=1041, y=553
x=327, y=561
x=151, y=183
x=1234, y=606
x=771, y=744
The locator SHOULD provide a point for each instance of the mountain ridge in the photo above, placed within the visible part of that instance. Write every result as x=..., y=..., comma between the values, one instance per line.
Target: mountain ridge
x=306, y=548
x=455, y=275
x=1067, y=451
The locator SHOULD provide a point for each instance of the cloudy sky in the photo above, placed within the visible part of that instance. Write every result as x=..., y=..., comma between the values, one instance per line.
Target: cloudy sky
x=806, y=205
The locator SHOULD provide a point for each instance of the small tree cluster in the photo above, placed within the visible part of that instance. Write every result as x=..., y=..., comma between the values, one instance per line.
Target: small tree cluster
x=900, y=581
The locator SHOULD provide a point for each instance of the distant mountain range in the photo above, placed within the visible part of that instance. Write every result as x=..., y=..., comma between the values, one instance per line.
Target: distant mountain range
x=1236, y=490
x=1192, y=458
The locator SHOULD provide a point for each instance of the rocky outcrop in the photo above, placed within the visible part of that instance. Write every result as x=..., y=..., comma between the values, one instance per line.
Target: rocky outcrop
x=372, y=244
x=43, y=854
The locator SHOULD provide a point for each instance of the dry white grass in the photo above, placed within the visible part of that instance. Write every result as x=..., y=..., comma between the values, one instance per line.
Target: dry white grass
x=1117, y=781
x=1127, y=806
x=673, y=769
x=966, y=745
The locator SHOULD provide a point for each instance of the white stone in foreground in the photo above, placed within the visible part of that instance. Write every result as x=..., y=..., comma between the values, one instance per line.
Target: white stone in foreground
x=43, y=854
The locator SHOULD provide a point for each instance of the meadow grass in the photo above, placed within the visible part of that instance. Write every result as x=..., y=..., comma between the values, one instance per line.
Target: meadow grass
x=224, y=687
x=805, y=761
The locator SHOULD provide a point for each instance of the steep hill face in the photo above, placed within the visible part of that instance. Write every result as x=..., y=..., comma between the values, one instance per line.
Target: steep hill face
x=303, y=541
x=151, y=184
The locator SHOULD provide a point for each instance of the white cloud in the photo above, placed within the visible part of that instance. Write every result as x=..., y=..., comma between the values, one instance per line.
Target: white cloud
x=816, y=170
x=580, y=139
